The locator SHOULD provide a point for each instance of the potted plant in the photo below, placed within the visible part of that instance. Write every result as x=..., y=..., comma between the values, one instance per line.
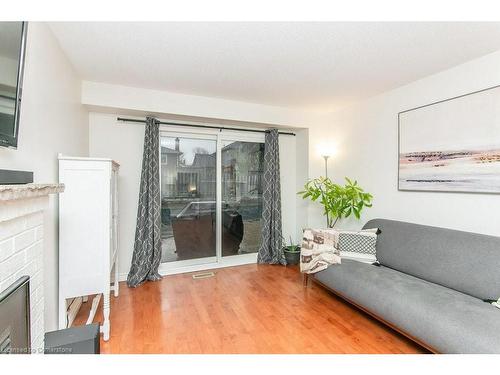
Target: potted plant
x=338, y=201
x=292, y=253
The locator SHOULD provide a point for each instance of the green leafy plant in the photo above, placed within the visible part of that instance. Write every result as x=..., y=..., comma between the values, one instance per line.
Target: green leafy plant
x=338, y=201
x=292, y=247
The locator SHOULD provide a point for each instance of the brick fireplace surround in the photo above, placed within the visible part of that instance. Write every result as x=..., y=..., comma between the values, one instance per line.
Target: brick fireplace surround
x=21, y=245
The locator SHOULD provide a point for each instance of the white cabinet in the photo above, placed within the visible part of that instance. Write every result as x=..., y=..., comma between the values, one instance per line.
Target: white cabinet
x=88, y=240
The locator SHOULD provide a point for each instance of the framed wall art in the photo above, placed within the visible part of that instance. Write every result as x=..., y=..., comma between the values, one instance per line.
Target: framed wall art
x=452, y=145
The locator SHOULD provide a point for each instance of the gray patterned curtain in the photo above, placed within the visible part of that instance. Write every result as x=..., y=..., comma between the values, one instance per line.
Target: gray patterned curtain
x=147, y=247
x=271, y=250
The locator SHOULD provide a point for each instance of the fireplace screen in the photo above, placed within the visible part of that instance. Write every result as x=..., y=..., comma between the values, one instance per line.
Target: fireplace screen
x=15, y=318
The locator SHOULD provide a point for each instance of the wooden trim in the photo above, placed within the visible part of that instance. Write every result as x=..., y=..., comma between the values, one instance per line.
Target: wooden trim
x=382, y=320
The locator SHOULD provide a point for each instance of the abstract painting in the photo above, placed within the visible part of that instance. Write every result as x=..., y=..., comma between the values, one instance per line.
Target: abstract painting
x=452, y=145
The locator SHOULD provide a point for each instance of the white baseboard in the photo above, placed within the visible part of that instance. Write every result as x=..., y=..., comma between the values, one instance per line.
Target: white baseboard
x=171, y=269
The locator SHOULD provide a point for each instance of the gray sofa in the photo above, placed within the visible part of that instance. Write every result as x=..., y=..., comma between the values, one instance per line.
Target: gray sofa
x=432, y=285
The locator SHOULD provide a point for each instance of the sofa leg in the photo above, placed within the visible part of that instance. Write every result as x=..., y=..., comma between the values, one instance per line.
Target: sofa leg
x=305, y=279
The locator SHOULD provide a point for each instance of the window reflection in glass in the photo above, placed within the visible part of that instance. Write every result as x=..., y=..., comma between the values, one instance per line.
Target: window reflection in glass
x=242, y=170
x=188, y=191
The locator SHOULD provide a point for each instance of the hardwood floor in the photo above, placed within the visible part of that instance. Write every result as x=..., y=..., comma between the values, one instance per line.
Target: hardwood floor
x=245, y=309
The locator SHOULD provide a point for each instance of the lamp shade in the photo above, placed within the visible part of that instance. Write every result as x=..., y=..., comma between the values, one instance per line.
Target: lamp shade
x=326, y=149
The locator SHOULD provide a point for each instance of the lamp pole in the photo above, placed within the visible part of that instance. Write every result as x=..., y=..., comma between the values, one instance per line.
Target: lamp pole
x=326, y=164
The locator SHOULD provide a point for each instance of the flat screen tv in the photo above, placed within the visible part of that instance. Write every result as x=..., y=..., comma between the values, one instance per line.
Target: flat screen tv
x=12, y=51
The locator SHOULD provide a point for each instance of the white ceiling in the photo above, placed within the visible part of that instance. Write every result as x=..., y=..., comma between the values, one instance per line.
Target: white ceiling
x=306, y=65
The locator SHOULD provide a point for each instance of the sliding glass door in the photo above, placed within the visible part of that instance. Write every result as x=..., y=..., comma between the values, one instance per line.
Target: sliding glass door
x=211, y=190
x=188, y=198
x=242, y=167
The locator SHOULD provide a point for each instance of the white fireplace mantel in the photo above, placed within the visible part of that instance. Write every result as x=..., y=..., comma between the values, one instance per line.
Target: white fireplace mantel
x=21, y=245
x=14, y=192
x=21, y=200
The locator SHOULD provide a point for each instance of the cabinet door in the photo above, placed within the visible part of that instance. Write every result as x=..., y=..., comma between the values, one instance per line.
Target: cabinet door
x=84, y=214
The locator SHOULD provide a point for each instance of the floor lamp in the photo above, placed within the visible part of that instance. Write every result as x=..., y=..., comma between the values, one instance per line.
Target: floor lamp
x=326, y=157
x=326, y=151
x=326, y=164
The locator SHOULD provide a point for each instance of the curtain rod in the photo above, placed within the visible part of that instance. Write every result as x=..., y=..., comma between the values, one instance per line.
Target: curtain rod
x=203, y=126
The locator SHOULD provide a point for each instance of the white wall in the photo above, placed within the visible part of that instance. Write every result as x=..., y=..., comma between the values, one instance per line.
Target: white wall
x=123, y=99
x=121, y=142
x=288, y=177
x=52, y=121
x=302, y=175
x=124, y=141
x=366, y=136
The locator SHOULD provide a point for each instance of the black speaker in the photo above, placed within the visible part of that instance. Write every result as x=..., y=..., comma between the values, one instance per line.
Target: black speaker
x=74, y=340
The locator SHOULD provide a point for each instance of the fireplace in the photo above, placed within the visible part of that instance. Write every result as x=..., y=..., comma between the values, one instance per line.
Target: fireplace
x=15, y=336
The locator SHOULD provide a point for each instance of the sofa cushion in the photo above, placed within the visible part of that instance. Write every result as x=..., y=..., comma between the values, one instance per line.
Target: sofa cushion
x=444, y=319
x=467, y=262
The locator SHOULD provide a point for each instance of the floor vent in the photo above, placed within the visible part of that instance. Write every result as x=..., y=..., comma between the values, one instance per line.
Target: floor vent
x=203, y=275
